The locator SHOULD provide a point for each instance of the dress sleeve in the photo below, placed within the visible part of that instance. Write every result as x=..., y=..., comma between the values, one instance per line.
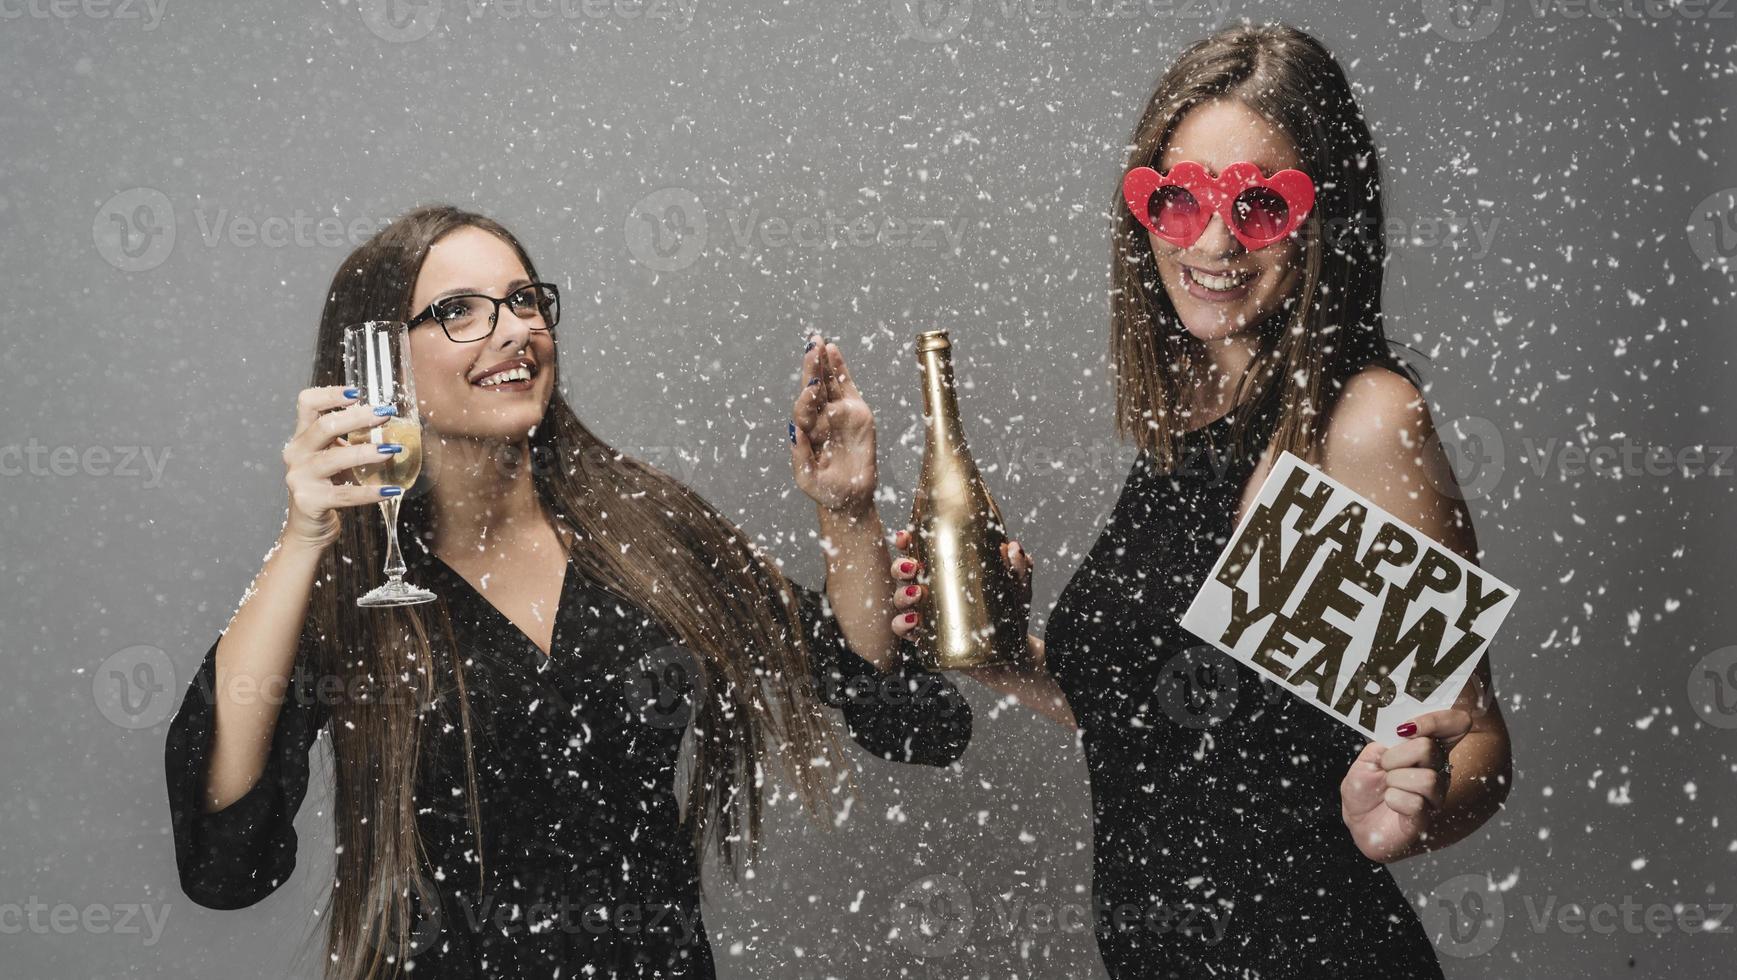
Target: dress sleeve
x=234, y=857
x=904, y=714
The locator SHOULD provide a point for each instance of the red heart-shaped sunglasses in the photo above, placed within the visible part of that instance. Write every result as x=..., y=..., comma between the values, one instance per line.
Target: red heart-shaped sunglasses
x=1258, y=210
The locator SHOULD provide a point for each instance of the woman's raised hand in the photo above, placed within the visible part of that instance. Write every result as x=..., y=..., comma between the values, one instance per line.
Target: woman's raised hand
x=832, y=434
x=317, y=457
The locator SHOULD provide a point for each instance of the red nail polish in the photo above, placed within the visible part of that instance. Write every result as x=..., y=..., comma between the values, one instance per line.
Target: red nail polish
x=910, y=618
x=911, y=590
x=1407, y=730
x=907, y=567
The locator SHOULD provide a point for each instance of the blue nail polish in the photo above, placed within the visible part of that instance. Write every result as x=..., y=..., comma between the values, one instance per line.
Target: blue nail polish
x=390, y=447
x=391, y=491
x=792, y=431
x=809, y=347
x=813, y=381
x=385, y=409
x=352, y=393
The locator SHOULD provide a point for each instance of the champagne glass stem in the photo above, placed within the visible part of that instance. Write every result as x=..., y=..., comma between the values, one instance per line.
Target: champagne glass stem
x=394, y=559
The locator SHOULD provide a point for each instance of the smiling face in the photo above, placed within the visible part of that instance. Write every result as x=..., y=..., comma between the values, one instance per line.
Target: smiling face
x=449, y=394
x=1217, y=286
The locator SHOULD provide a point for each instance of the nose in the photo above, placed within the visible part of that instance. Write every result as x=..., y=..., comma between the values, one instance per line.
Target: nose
x=512, y=332
x=1216, y=242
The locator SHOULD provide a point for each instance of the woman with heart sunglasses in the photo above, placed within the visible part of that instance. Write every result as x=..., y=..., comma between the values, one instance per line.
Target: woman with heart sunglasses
x=1245, y=835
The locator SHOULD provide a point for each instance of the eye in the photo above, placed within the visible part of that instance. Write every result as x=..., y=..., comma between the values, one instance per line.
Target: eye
x=525, y=302
x=449, y=310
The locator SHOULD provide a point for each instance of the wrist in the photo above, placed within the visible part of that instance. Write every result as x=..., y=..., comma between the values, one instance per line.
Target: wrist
x=850, y=518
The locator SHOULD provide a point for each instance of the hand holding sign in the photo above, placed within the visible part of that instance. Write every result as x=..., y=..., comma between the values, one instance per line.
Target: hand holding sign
x=1345, y=605
x=1390, y=796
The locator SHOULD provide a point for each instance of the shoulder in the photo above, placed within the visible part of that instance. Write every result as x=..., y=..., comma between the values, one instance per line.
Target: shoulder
x=1380, y=441
x=1378, y=416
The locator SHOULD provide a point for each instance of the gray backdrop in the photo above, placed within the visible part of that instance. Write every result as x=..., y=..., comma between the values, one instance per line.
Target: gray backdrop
x=705, y=178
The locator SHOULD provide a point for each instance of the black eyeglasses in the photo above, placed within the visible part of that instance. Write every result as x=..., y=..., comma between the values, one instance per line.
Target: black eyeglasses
x=470, y=317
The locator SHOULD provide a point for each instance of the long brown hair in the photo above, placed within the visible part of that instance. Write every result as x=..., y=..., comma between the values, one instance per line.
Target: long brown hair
x=633, y=528
x=1333, y=327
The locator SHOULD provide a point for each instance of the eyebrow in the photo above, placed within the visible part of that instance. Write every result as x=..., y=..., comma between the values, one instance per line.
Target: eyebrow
x=512, y=287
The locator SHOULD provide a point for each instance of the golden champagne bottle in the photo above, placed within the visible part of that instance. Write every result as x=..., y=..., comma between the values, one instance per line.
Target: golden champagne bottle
x=972, y=608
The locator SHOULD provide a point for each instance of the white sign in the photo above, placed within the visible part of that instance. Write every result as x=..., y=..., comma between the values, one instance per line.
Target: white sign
x=1345, y=605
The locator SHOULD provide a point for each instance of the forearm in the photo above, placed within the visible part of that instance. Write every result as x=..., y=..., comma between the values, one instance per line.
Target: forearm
x=1482, y=775
x=254, y=662
x=859, y=582
x=1030, y=683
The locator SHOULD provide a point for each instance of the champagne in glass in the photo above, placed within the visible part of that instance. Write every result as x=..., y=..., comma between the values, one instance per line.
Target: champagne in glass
x=377, y=365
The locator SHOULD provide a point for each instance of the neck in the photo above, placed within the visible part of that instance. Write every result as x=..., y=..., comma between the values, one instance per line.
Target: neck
x=483, y=496
x=1217, y=367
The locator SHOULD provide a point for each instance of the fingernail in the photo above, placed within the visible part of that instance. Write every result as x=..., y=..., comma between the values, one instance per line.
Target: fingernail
x=907, y=567
x=792, y=432
x=390, y=447
x=813, y=381
x=385, y=409
x=911, y=590
x=910, y=619
x=1407, y=730
x=391, y=491
x=352, y=393
x=809, y=347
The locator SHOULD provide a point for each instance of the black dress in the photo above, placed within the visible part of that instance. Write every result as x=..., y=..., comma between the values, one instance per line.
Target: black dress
x=589, y=872
x=1219, y=848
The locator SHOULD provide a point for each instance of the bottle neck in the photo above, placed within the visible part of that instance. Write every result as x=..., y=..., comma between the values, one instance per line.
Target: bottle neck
x=941, y=401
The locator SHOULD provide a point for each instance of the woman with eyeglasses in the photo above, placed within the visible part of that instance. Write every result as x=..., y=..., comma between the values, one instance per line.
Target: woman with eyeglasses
x=1246, y=321
x=505, y=758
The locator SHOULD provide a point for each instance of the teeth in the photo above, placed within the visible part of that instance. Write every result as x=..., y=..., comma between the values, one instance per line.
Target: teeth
x=1220, y=283
x=514, y=374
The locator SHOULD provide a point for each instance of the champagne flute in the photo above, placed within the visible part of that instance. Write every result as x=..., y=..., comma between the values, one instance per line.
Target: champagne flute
x=377, y=365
